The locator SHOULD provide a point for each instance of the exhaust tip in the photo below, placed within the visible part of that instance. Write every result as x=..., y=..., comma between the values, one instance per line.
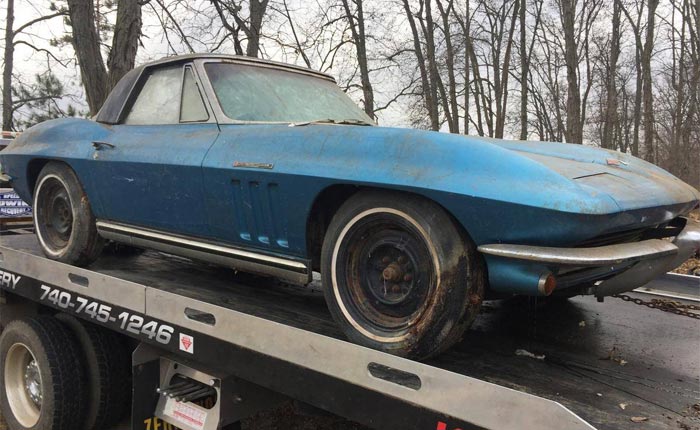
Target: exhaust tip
x=547, y=284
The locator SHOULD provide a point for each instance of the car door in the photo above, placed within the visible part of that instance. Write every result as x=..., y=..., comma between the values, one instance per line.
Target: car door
x=246, y=199
x=148, y=172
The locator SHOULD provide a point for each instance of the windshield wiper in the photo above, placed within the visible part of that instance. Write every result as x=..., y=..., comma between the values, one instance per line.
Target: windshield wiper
x=350, y=121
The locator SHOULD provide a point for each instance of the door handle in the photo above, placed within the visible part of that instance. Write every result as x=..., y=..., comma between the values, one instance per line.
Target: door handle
x=100, y=145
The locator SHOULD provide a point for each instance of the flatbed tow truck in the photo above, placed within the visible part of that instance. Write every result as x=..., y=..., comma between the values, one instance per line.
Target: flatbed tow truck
x=211, y=347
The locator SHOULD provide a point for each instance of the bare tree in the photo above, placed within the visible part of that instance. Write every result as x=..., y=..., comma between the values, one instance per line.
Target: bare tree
x=356, y=22
x=492, y=58
x=11, y=42
x=610, y=123
x=647, y=90
x=466, y=26
x=526, y=50
x=169, y=22
x=524, y=66
x=230, y=13
x=450, y=55
x=7, y=70
x=98, y=78
x=676, y=115
x=428, y=90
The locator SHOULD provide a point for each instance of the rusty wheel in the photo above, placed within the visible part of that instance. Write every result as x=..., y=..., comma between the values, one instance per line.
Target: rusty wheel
x=399, y=275
x=65, y=224
x=386, y=270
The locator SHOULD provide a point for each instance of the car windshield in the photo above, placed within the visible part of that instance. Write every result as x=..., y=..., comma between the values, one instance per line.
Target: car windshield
x=253, y=93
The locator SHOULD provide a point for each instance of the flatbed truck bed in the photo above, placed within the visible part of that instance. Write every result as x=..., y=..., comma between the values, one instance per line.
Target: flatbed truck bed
x=581, y=364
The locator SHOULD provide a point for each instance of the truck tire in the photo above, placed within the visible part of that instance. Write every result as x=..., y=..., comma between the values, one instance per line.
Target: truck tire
x=107, y=373
x=399, y=275
x=41, y=376
x=63, y=218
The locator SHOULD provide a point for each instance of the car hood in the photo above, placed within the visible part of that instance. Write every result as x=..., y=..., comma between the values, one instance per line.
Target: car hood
x=631, y=182
x=556, y=176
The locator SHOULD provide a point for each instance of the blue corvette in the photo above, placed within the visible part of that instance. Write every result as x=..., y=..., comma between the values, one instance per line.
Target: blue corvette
x=271, y=169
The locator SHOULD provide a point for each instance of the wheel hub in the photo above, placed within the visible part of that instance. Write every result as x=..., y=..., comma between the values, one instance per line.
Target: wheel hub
x=53, y=214
x=386, y=271
x=23, y=385
x=61, y=215
x=32, y=382
x=393, y=273
x=394, y=267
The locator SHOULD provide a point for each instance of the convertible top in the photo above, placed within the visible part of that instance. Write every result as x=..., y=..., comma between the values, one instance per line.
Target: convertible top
x=111, y=109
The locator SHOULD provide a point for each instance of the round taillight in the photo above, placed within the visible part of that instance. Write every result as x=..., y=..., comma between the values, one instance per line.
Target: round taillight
x=547, y=284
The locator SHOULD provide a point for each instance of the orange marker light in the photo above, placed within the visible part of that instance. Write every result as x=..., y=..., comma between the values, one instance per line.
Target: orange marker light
x=547, y=284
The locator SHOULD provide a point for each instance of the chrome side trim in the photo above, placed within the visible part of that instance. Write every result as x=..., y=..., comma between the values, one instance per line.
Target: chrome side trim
x=596, y=256
x=252, y=165
x=247, y=261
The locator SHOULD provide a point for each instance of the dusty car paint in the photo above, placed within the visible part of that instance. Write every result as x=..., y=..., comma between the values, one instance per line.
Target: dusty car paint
x=204, y=180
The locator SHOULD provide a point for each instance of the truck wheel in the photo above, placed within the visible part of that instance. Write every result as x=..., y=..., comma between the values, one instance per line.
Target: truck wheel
x=41, y=376
x=399, y=275
x=63, y=218
x=108, y=372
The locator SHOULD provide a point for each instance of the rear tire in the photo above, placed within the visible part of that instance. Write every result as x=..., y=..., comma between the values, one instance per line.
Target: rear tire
x=399, y=275
x=108, y=373
x=63, y=218
x=41, y=376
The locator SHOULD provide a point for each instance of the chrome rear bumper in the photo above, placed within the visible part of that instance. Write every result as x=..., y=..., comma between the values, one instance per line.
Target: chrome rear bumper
x=634, y=264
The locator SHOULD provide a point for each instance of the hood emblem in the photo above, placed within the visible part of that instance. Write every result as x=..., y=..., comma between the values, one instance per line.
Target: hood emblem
x=615, y=162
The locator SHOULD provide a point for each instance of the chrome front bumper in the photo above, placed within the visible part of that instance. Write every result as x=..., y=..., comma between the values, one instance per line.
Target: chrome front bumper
x=629, y=265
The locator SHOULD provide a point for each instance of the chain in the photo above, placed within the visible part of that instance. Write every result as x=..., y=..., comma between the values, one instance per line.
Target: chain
x=664, y=305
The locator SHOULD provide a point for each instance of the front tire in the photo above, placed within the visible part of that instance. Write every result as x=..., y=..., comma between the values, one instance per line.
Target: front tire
x=399, y=275
x=63, y=218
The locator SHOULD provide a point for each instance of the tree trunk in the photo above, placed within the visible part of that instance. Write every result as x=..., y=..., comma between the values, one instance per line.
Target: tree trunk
x=610, y=124
x=647, y=89
x=87, y=49
x=467, y=53
x=435, y=78
x=430, y=102
x=524, y=72
x=637, y=102
x=97, y=81
x=125, y=42
x=479, y=97
x=639, y=47
x=257, y=12
x=450, y=63
x=574, y=127
x=505, y=73
x=7, y=70
x=357, y=28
